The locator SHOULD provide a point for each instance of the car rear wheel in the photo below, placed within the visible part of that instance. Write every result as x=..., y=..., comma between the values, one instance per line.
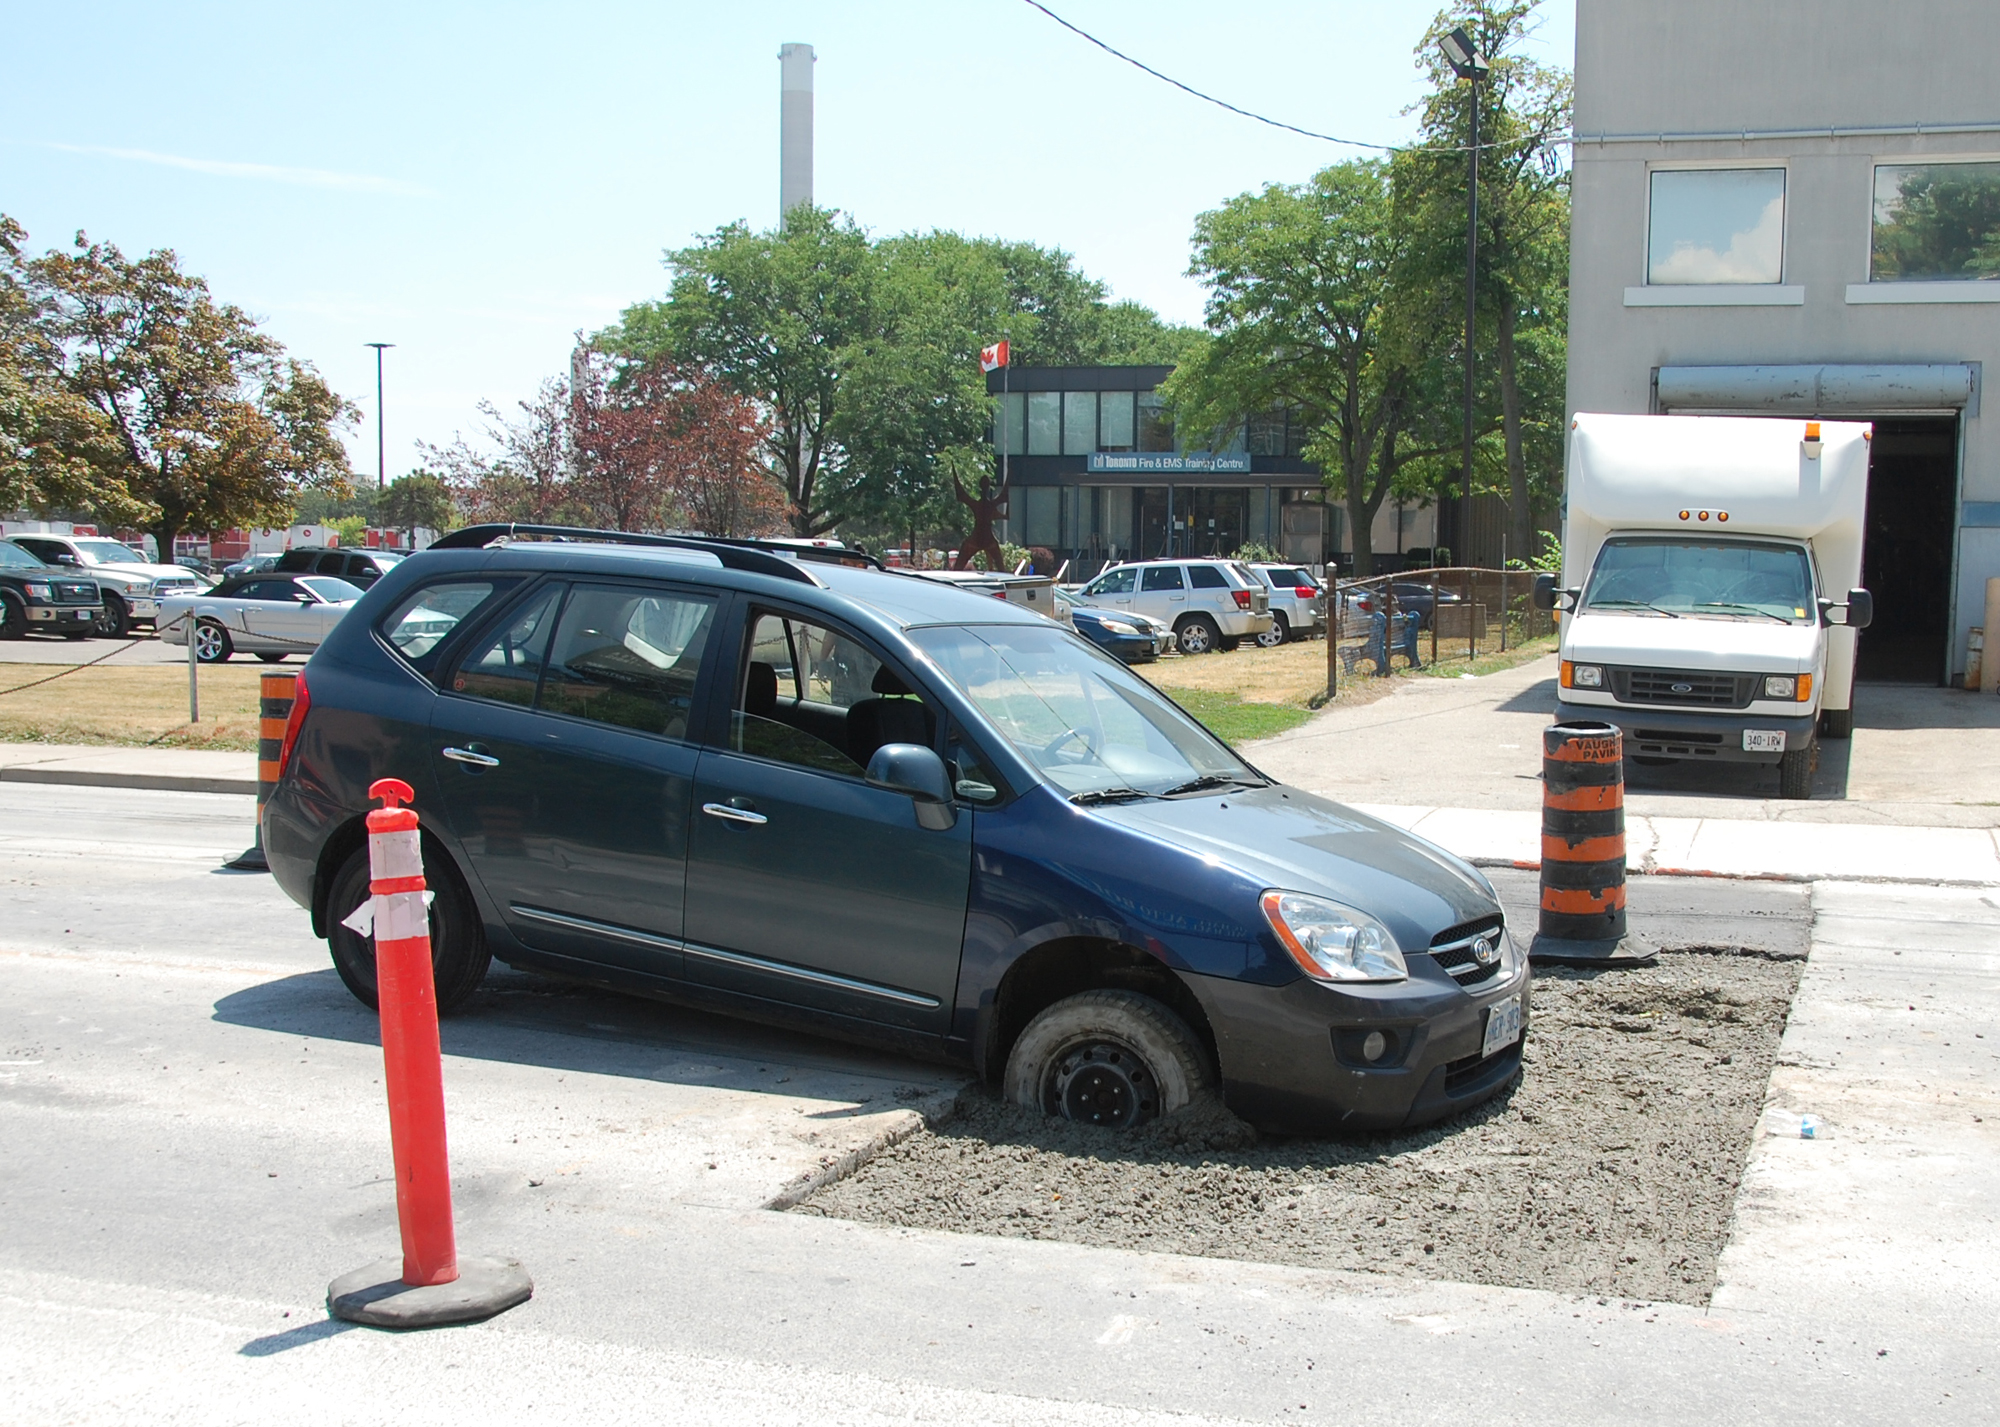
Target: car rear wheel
x=459, y=955
x=13, y=617
x=211, y=642
x=1277, y=634
x=1197, y=634
x=1111, y=1058
x=116, y=621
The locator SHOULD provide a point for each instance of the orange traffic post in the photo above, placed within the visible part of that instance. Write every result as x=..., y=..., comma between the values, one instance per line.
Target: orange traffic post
x=430, y=1284
x=274, y=707
x=1583, y=849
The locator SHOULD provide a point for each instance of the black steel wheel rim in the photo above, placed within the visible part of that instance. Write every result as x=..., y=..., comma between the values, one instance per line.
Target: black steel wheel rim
x=1103, y=1083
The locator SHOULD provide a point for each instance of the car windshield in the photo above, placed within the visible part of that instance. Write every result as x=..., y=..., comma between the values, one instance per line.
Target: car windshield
x=332, y=590
x=1089, y=724
x=13, y=557
x=1721, y=579
x=108, y=552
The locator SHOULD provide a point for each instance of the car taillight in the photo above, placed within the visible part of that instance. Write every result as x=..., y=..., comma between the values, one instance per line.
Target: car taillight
x=999, y=594
x=1242, y=598
x=1305, y=592
x=301, y=701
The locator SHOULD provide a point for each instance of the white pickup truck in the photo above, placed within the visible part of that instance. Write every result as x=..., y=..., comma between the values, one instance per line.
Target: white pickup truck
x=1708, y=586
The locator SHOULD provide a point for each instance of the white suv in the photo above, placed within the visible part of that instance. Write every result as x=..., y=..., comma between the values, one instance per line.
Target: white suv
x=1209, y=604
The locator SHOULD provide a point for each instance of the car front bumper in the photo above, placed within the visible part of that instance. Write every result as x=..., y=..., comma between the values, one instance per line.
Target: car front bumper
x=1283, y=1067
x=64, y=616
x=1697, y=737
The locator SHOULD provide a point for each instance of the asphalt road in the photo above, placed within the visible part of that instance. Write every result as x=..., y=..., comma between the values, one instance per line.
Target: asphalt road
x=195, y=1146
x=139, y=647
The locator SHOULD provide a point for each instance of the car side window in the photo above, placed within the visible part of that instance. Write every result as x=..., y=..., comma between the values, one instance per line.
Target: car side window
x=1113, y=582
x=333, y=564
x=1161, y=577
x=507, y=663
x=426, y=615
x=629, y=656
x=1206, y=577
x=818, y=698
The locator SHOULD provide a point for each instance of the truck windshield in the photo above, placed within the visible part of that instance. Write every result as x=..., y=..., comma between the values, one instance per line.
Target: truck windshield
x=1720, y=579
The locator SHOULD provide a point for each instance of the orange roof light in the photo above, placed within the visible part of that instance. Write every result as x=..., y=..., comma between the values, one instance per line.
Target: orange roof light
x=1701, y=515
x=1812, y=431
x=1723, y=516
x=1684, y=515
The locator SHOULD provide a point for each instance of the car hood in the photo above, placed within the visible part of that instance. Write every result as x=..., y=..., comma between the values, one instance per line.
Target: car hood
x=139, y=571
x=1299, y=842
x=1734, y=646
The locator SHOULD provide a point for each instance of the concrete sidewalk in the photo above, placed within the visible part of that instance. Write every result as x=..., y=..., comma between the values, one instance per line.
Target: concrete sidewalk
x=167, y=770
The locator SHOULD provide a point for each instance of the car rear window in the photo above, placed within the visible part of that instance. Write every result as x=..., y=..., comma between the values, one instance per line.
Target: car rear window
x=428, y=614
x=1206, y=577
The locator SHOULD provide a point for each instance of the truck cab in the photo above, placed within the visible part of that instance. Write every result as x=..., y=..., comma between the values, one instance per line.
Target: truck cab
x=1707, y=598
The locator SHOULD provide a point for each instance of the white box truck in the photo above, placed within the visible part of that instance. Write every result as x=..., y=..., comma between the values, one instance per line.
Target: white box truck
x=1709, y=585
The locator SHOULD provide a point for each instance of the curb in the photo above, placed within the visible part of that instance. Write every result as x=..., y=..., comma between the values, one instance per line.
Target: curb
x=1795, y=878
x=152, y=782
x=931, y=1110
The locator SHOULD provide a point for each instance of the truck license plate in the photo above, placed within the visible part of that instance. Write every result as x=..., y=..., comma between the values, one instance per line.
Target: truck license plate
x=1763, y=740
x=1503, y=1026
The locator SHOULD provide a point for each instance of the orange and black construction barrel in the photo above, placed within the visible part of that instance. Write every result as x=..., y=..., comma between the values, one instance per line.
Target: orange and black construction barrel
x=1583, y=845
x=274, y=709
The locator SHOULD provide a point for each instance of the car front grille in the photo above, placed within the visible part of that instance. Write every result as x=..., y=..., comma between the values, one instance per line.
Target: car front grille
x=1685, y=688
x=1452, y=949
x=1460, y=1074
x=164, y=588
x=75, y=592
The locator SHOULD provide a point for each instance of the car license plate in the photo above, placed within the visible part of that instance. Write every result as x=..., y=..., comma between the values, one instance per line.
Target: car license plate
x=1503, y=1026
x=1763, y=740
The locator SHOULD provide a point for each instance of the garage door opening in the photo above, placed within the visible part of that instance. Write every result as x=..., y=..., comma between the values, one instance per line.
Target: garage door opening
x=1906, y=557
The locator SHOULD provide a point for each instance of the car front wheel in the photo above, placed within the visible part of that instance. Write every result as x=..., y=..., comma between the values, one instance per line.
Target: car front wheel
x=1111, y=1058
x=116, y=621
x=13, y=617
x=459, y=955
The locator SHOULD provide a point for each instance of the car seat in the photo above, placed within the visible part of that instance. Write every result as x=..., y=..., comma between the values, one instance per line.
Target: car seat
x=894, y=715
x=760, y=691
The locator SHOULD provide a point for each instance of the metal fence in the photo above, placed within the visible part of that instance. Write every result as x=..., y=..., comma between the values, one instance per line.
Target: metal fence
x=1421, y=617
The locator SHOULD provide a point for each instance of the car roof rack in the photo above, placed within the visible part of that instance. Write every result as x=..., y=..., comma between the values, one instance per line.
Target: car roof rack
x=754, y=557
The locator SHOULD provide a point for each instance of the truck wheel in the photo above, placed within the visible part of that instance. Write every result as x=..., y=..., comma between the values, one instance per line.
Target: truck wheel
x=1795, y=773
x=459, y=955
x=1836, y=723
x=1198, y=635
x=13, y=618
x=1277, y=634
x=116, y=621
x=1111, y=1058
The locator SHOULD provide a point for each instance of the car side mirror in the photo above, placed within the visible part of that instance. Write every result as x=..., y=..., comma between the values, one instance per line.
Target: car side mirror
x=68, y=559
x=1858, y=612
x=919, y=775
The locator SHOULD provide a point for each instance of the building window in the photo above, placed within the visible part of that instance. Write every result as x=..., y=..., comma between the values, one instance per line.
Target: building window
x=1156, y=428
x=1115, y=421
x=1044, y=423
x=1079, y=423
x=1041, y=516
x=1011, y=423
x=1717, y=225
x=1936, y=223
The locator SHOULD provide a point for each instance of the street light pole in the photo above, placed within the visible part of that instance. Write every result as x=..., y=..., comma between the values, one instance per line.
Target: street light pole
x=1469, y=64
x=381, y=465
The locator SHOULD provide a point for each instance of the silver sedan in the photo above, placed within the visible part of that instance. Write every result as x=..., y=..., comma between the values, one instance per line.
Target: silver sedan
x=264, y=614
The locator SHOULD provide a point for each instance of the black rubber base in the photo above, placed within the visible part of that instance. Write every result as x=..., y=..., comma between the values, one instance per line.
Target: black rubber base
x=377, y=1295
x=251, y=861
x=1627, y=950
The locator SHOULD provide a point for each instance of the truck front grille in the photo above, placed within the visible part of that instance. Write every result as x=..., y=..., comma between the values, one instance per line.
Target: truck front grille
x=75, y=592
x=1684, y=688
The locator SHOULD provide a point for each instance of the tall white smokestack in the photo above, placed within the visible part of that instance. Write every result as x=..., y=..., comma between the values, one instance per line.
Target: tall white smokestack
x=795, y=128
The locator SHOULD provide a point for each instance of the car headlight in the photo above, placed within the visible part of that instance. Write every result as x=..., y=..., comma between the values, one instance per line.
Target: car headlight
x=1332, y=942
x=39, y=591
x=1113, y=626
x=1795, y=688
x=1582, y=676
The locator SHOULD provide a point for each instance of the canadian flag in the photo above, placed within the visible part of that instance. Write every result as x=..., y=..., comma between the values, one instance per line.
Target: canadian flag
x=993, y=357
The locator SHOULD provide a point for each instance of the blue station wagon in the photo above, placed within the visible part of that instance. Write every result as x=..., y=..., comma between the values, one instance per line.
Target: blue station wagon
x=790, y=785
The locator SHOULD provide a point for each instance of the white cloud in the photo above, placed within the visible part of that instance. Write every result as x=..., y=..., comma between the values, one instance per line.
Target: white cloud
x=1755, y=254
x=268, y=173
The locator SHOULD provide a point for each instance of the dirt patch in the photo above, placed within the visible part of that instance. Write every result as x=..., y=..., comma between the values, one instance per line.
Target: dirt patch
x=1611, y=1166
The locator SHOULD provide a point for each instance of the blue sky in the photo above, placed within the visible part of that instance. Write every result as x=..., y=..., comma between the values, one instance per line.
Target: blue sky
x=478, y=183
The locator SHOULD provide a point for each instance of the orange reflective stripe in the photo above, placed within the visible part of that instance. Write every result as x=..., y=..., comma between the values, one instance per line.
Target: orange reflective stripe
x=1590, y=849
x=267, y=771
x=270, y=728
x=1586, y=800
x=1554, y=899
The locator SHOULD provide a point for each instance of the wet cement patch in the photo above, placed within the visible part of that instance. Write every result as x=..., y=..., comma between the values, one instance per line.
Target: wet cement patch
x=1609, y=1167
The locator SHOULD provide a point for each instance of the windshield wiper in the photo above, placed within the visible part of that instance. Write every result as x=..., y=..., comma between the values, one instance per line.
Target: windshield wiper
x=1628, y=604
x=1744, y=608
x=1107, y=795
x=1210, y=780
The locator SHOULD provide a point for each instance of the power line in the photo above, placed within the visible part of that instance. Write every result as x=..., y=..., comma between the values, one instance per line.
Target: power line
x=1260, y=118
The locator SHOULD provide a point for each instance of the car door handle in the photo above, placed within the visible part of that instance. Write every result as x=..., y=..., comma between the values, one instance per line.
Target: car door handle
x=734, y=815
x=467, y=755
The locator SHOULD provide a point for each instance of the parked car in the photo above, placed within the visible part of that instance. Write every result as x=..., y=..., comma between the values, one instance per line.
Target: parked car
x=1120, y=633
x=36, y=598
x=357, y=567
x=132, y=589
x=1209, y=604
x=1298, y=604
x=268, y=615
x=1414, y=597
x=885, y=809
x=250, y=565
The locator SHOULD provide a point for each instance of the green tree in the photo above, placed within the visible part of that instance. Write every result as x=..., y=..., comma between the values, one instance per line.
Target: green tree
x=211, y=425
x=419, y=499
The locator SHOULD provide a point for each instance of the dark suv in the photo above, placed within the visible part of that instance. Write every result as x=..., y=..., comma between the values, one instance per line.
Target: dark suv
x=357, y=567
x=44, y=599
x=787, y=785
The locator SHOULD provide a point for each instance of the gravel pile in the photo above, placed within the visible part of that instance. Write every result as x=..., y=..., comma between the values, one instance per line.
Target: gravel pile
x=1611, y=1167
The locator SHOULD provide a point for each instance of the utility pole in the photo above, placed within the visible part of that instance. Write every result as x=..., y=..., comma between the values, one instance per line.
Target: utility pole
x=1468, y=64
x=381, y=465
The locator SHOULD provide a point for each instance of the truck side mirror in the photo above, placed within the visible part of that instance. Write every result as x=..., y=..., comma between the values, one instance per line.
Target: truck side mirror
x=1545, y=592
x=1860, y=609
x=919, y=774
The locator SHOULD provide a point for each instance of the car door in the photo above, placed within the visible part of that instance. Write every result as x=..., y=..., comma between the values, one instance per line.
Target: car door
x=282, y=617
x=1113, y=589
x=1162, y=593
x=561, y=746
x=806, y=885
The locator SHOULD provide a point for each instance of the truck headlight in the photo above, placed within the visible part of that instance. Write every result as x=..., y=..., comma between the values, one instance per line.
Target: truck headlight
x=1793, y=688
x=1582, y=676
x=1331, y=942
x=41, y=592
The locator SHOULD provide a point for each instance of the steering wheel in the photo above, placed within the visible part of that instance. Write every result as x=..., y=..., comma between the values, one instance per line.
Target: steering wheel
x=1068, y=736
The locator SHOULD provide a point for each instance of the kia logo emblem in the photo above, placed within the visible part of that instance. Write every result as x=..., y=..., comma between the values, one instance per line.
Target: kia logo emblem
x=1683, y=688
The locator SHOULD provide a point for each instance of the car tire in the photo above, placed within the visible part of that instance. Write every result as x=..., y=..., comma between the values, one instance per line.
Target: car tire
x=211, y=643
x=1795, y=774
x=272, y=658
x=1197, y=634
x=1111, y=1058
x=116, y=621
x=13, y=618
x=1278, y=633
x=1836, y=723
x=459, y=954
